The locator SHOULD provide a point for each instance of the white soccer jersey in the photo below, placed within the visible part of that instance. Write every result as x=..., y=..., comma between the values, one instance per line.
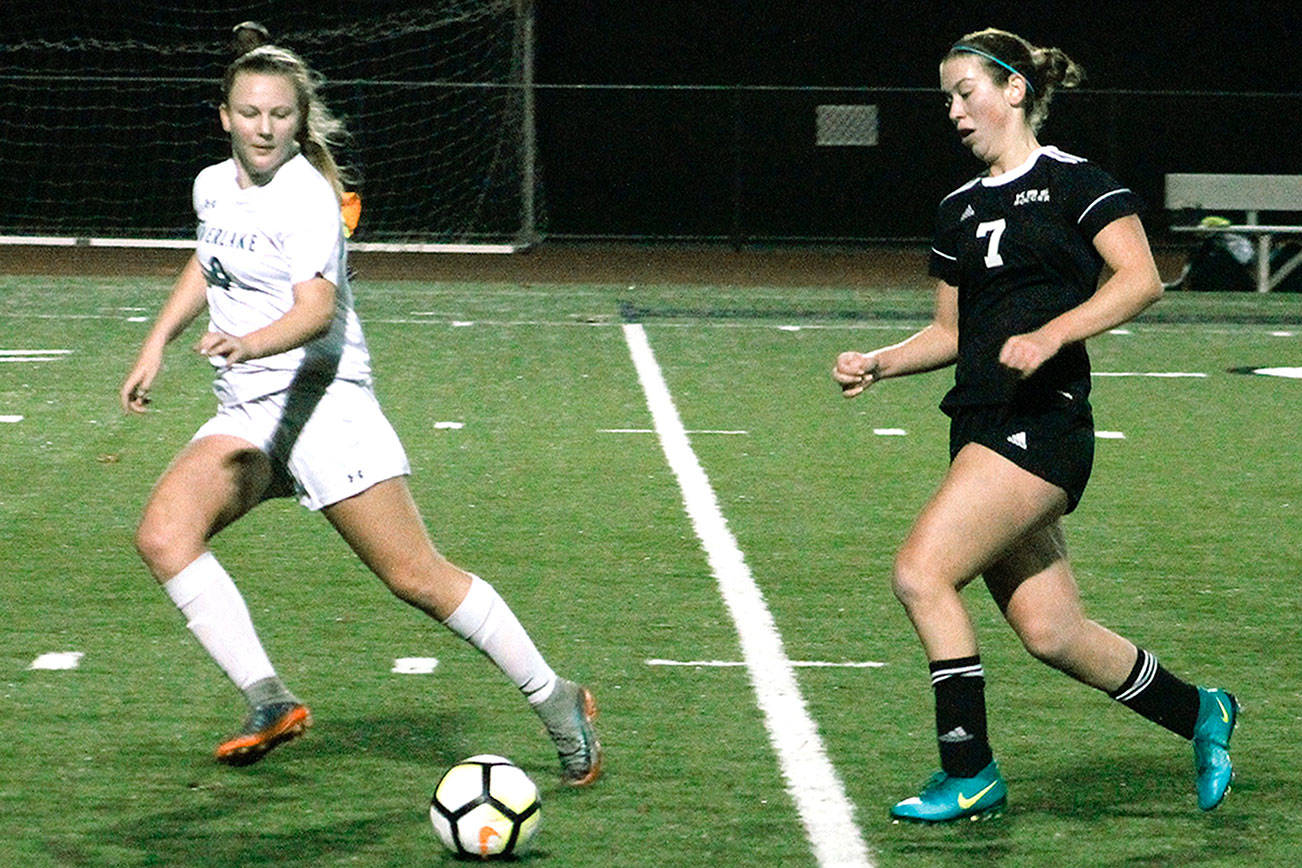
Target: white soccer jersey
x=254, y=245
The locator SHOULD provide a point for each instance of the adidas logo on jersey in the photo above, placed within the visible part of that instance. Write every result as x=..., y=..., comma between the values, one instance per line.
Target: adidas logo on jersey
x=967, y=212
x=1031, y=196
x=1018, y=439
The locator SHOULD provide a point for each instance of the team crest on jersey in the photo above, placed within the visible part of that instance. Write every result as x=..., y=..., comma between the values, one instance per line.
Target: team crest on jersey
x=1031, y=196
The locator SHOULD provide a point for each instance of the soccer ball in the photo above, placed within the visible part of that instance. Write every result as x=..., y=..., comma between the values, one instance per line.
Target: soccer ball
x=485, y=806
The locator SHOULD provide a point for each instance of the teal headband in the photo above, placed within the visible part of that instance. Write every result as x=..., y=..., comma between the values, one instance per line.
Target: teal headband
x=988, y=56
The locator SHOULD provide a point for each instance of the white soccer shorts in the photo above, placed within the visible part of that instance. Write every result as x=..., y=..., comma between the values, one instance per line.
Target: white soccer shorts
x=331, y=444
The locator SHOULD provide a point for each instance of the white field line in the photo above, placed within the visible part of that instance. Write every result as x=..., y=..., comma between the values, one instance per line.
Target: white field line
x=818, y=794
x=651, y=431
x=799, y=664
x=58, y=660
x=612, y=320
x=32, y=355
x=414, y=665
x=1168, y=375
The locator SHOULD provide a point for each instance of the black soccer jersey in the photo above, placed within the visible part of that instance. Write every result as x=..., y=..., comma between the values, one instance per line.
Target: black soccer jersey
x=1019, y=248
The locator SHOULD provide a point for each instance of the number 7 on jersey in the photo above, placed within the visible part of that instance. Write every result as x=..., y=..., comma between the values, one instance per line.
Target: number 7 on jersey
x=995, y=229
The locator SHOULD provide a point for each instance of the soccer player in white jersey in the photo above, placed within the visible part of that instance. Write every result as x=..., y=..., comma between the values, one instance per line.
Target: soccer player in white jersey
x=297, y=414
x=1018, y=254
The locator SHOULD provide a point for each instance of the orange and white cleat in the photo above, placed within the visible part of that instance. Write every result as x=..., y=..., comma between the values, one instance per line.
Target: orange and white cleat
x=268, y=726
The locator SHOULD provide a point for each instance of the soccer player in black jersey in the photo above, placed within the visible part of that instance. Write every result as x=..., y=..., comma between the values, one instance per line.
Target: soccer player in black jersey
x=1018, y=254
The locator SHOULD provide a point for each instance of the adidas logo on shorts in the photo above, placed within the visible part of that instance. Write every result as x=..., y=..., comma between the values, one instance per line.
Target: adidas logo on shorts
x=1018, y=439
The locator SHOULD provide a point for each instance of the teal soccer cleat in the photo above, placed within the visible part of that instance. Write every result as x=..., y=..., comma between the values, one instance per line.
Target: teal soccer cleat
x=945, y=798
x=1218, y=714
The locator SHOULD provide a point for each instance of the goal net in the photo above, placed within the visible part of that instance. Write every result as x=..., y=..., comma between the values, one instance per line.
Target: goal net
x=108, y=109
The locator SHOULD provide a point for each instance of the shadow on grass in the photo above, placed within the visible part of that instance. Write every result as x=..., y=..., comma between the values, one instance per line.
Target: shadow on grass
x=989, y=842
x=440, y=739
x=187, y=836
x=1138, y=809
x=436, y=741
x=1139, y=786
x=301, y=805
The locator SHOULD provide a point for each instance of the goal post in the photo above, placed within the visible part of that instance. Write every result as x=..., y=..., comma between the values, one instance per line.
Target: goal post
x=108, y=110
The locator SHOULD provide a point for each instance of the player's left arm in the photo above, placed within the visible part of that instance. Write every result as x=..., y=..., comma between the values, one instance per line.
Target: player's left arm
x=1134, y=284
x=308, y=317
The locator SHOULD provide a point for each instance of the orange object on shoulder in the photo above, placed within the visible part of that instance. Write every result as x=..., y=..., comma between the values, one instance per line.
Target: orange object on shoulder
x=350, y=206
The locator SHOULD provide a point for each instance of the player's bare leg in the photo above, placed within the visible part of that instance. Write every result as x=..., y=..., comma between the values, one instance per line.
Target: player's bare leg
x=385, y=528
x=984, y=506
x=1037, y=592
x=211, y=483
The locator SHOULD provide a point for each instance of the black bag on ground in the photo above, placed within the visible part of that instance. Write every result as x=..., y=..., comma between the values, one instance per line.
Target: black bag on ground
x=1222, y=263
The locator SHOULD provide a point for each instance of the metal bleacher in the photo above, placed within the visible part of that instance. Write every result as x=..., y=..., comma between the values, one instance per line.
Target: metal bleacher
x=1252, y=195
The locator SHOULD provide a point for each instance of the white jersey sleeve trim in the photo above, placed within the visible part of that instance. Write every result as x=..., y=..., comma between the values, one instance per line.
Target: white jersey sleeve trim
x=961, y=189
x=1091, y=205
x=1061, y=155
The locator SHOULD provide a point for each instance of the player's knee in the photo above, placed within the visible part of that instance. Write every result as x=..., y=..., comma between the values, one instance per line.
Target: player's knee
x=1047, y=640
x=405, y=584
x=412, y=577
x=912, y=580
x=164, y=544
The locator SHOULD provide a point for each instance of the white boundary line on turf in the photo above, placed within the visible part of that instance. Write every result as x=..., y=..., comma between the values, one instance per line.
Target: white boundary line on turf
x=1172, y=375
x=809, y=664
x=818, y=794
x=58, y=660
x=650, y=431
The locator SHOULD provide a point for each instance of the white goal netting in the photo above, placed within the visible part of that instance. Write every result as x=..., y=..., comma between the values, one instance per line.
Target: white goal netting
x=108, y=109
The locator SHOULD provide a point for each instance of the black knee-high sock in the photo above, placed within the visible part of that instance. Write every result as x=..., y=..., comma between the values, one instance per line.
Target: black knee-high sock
x=960, y=686
x=1158, y=695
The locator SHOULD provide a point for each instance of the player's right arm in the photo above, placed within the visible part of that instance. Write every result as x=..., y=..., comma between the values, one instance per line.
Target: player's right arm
x=934, y=347
x=189, y=298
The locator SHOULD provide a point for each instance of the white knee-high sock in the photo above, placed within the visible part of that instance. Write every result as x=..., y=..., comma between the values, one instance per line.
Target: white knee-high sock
x=217, y=616
x=485, y=621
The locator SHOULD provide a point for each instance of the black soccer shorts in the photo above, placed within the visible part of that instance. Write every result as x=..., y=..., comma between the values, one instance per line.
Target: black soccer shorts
x=1056, y=442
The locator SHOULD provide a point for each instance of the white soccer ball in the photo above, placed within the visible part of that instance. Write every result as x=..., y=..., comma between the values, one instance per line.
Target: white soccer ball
x=485, y=806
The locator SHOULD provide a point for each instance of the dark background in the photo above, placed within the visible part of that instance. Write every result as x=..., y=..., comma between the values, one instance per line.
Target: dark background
x=1170, y=88
x=666, y=120
x=1241, y=46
